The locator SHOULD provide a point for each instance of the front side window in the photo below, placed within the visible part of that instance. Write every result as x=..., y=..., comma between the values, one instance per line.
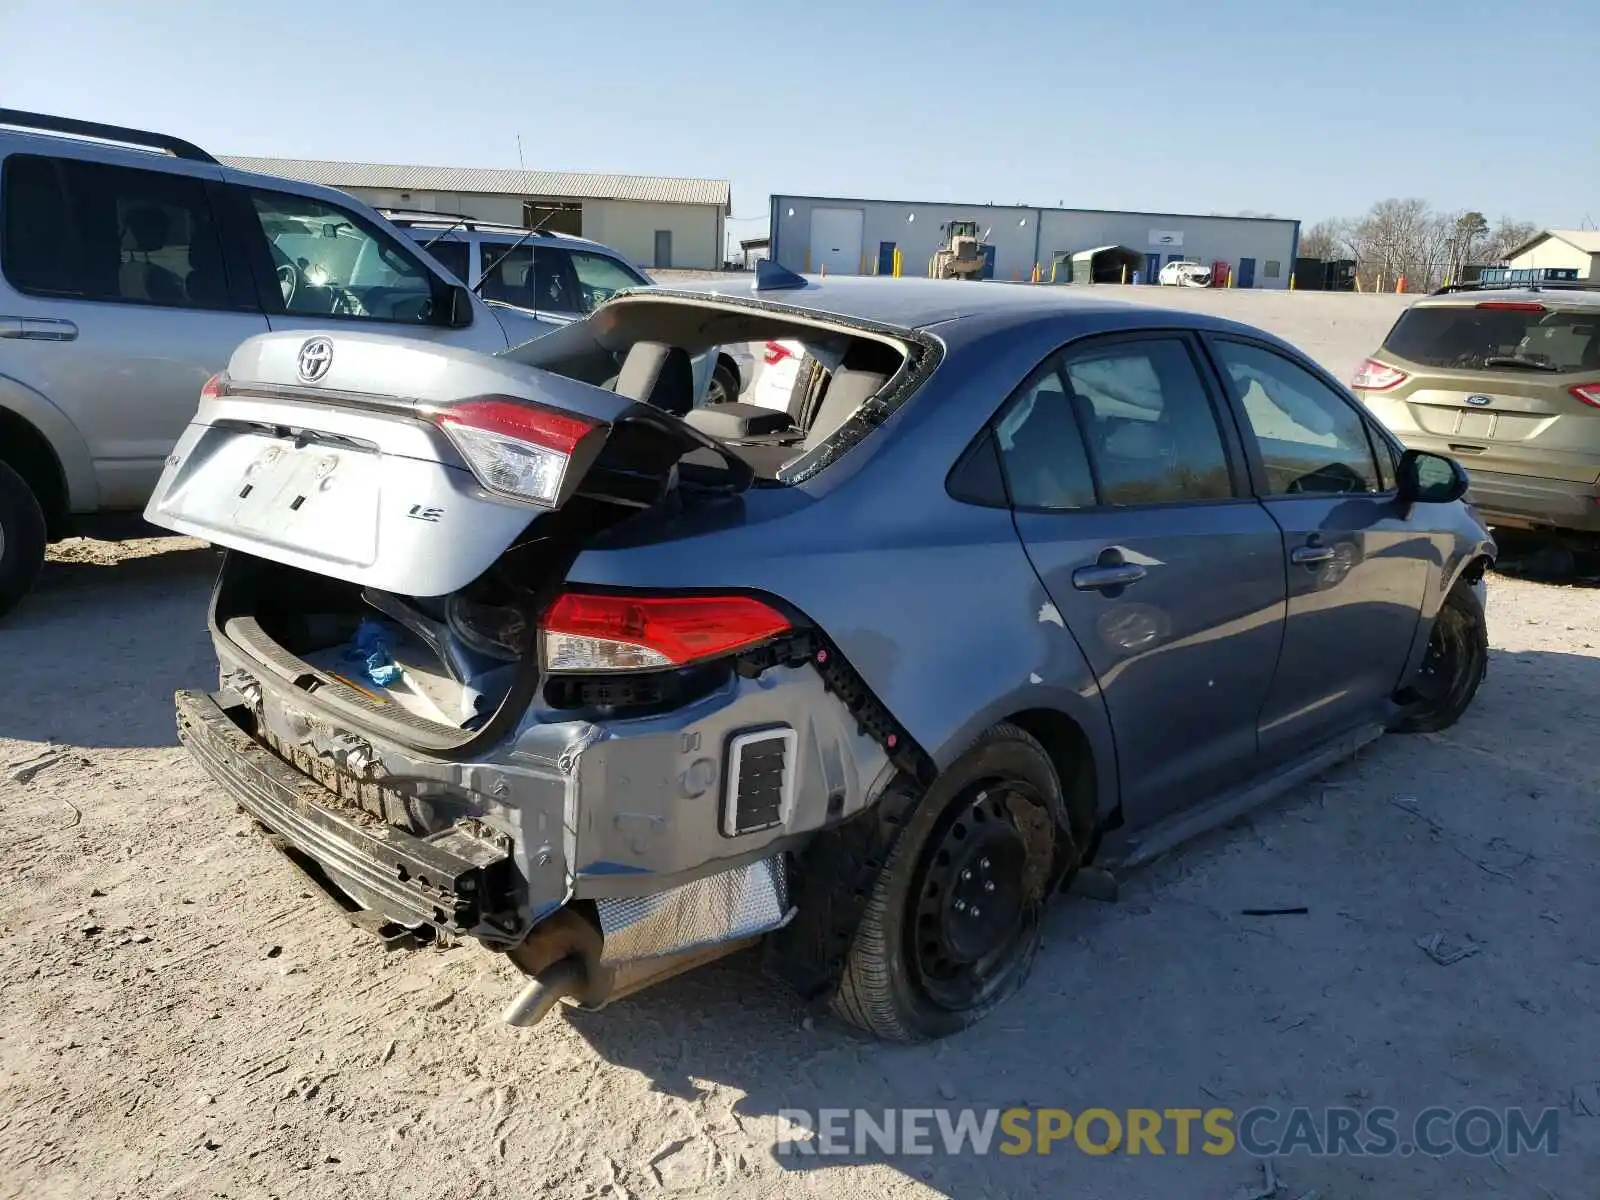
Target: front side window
x=1152, y=433
x=600, y=278
x=328, y=263
x=1312, y=440
x=90, y=231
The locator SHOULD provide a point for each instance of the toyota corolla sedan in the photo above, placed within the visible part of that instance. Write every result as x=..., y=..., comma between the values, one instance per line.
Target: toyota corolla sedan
x=1024, y=579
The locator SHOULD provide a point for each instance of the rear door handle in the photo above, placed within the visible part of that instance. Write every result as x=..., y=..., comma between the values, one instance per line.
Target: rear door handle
x=1111, y=575
x=1310, y=556
x=37, y=329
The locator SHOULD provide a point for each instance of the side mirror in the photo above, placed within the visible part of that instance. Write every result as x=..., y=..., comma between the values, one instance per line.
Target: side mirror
x=457, y=309
x=1425, y=478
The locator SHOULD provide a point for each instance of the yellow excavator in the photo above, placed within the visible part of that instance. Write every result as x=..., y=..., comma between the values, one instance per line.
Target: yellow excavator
x=961, y=256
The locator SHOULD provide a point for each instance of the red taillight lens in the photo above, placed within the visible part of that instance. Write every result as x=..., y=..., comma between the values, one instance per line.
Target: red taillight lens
x=1374, y=376
x=216, y=386
x=1512, y=306
x=775, y=353
x=587, y=631
x=1589, y=393
x=515, y=448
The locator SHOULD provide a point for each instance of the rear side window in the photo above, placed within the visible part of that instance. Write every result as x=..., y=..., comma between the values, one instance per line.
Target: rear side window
x=452, y=256
x=1042, y=450
x=1153, y=436
x=90, y=231
x=1126, y=423
x=1497, y=338
x=507, y=273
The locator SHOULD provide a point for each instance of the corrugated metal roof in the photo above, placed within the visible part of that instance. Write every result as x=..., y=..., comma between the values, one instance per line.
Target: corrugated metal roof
x=575, y=185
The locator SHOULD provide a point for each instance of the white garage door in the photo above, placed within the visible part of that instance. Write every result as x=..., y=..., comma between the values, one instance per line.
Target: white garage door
x=836, y=240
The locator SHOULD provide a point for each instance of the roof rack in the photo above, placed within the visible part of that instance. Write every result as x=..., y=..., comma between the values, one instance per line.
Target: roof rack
x=422, y=214
x=1548, y=285
x=1530, y=279
x=176, y=147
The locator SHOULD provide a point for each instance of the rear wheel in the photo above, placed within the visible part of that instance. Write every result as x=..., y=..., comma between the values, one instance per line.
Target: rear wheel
x=22, y=538
x=952, y=926
x=1456, y=661
x=724, y=388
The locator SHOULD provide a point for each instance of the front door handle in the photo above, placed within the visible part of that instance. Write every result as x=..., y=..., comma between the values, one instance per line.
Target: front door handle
x=1310, y=556
x=38, y=329
x=1106, y=575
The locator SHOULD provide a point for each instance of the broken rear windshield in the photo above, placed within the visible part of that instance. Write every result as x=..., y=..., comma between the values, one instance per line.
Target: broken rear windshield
x=1497, y=338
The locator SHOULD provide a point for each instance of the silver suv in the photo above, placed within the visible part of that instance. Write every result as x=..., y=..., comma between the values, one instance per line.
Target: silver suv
x=555, y=276
x=131, y=265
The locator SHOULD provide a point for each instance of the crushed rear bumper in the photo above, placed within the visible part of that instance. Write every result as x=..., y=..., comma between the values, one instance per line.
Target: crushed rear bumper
x=453, y=881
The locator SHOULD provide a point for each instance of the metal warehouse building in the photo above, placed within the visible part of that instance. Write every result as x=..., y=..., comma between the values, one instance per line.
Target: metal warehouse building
x=856, y=237
x=657, y=221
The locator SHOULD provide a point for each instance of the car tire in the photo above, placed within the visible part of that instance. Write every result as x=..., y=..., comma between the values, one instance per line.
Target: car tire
x=724, y=387
x=982, y=834
x=1454, y=666
x=22, y=538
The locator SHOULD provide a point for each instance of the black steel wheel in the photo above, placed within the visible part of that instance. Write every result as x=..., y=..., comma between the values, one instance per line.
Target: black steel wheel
x=952, y=926
x=1453, y=667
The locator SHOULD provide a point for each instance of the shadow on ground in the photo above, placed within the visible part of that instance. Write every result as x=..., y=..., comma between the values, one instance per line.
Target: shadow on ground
x=93, y=656
x=1174, y=998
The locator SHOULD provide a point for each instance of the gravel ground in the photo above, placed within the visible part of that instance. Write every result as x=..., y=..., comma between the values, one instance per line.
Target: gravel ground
x=183, y=1019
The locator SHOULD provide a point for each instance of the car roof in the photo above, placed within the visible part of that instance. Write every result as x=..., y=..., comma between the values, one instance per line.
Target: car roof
x=908, y=303
x=919, y=303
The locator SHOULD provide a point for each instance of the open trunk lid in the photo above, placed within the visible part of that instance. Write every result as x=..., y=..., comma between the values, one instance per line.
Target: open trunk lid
x=405, y=466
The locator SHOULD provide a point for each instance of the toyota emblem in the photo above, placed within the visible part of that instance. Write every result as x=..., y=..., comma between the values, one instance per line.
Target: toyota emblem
x=316, y=356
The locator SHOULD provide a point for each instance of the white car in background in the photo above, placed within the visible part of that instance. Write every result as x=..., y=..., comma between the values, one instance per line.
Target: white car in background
x=1185, y=274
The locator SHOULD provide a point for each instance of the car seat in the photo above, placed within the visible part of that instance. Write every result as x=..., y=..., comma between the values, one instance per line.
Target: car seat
x=866, y=369
x=659, y=375
x=144, y=231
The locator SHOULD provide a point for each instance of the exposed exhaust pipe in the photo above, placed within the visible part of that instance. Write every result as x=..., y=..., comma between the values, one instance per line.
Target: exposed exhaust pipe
x=562, y=978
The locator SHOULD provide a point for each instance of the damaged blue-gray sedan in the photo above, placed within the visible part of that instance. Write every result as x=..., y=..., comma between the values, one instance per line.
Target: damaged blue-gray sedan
x=1021, y=581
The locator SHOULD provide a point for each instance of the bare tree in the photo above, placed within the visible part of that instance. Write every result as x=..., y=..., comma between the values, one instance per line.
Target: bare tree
x=1324, y=240
x=1506, y=236
x=1397, y=238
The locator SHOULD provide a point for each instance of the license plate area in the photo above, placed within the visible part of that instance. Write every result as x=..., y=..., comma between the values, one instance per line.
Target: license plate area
x=316, y=497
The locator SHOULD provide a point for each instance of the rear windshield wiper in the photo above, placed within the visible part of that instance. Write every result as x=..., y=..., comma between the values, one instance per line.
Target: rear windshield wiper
x=1511, y=360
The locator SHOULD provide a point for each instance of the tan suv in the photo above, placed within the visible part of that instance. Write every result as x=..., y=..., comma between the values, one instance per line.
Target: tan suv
x=1506, y=380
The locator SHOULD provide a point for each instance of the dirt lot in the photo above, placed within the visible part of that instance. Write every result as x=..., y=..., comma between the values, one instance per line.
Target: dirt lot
x=181, y=1019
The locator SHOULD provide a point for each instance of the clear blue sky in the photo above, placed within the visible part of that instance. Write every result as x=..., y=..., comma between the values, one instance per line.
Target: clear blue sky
x=1305, y=111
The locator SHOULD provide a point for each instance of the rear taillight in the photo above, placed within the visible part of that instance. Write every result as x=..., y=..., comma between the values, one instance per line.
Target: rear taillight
x=1589, y=393
x=775, y=353
x=1512, y=306
x=216, y=386
x=516, y=449
x=590, y=631
x=1374, y=376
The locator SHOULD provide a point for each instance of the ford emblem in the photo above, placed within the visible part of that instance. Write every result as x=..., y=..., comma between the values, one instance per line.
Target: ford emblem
x=316, y=356
x=1475, y=401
